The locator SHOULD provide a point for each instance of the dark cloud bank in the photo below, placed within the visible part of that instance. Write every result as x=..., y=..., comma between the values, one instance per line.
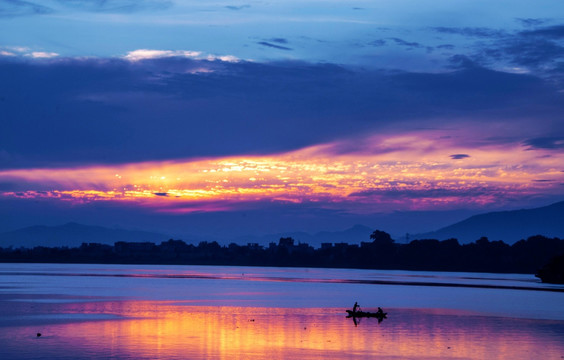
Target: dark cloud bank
x=61, y=112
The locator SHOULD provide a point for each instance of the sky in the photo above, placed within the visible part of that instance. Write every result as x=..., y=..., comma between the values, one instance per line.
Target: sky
x=222, y=118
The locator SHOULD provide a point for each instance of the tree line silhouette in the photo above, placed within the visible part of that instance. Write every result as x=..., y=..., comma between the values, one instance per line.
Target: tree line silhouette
x=382, y=252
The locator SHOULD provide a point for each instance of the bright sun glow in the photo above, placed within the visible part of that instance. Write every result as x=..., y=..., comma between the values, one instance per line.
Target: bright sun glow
x=384, y=173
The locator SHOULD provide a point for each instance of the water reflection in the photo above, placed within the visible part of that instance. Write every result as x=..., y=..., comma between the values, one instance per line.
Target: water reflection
x=166, y=330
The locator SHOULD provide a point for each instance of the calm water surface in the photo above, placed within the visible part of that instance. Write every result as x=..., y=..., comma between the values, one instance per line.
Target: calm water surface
x=200, y=312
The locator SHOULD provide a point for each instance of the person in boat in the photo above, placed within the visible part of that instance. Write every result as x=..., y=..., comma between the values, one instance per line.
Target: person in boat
x=355, y=307
x=380, y=312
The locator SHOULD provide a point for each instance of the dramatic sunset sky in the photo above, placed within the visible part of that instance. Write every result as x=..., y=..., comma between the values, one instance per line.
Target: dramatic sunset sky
x=227, y=118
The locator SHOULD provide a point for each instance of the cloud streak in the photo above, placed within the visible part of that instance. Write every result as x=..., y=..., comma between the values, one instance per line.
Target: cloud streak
x=43, y=55
x=479, y=32
x=15, y=8
x=117, y=6
x=176, y=105
x=537, y=49
x=274, y=46
x=148, y=54
x=552, y=143
x=353, y=182
x=237, y=8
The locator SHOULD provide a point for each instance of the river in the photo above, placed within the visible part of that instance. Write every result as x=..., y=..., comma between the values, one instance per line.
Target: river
x=87, y=311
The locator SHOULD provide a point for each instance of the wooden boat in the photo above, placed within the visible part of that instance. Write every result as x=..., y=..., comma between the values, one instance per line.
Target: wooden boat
x=362, y=314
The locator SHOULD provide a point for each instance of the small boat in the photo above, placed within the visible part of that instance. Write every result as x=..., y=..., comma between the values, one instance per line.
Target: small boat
x=362, y=314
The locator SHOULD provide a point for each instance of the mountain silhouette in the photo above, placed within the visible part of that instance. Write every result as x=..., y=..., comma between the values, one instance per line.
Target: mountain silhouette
x=72, y=235
x=509, y=226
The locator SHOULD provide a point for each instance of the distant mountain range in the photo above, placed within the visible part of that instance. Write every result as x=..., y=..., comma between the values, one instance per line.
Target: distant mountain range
x=509, y=226
x=73, y=235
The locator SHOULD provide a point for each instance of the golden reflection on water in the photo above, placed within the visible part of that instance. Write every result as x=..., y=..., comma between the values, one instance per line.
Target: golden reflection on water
x=165, y=330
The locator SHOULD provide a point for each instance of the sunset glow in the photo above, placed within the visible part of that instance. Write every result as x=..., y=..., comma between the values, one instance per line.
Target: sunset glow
x=171, y=330
x=300, y=116
x=413, y=171
x=229, y=180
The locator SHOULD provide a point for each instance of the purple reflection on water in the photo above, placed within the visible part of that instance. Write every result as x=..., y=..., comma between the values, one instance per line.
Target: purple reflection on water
x=179, y=312
x=159, y=330
x=513, y=295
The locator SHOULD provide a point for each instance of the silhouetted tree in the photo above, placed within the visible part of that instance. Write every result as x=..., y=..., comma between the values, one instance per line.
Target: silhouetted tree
x=525, y=256
x=381, y=238
x=553, y=272
x=382, y=250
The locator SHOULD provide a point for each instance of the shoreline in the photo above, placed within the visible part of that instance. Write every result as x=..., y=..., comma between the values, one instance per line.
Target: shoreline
x=282, y=279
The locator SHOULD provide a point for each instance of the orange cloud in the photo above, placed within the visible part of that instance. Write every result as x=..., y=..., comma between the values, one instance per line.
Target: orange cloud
x=415, y=170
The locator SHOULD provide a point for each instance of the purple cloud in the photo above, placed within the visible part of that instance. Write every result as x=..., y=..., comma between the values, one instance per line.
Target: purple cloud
x=104, y=111
x=459, y=156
